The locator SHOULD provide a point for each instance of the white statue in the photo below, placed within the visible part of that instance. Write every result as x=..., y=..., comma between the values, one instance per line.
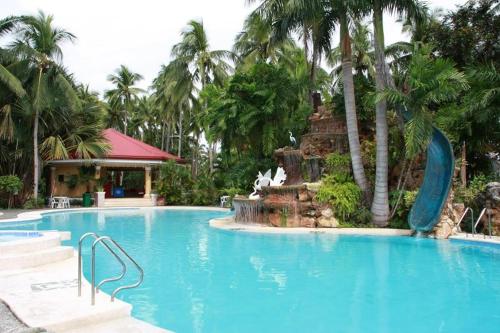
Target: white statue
x=266, y=180
x=279, y=177
x=292, y=139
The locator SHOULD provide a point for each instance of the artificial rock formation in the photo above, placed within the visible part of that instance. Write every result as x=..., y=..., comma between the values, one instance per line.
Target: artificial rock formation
x=294, y=204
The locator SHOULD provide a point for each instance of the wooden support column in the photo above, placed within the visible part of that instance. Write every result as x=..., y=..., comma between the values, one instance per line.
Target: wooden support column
x=52, y=180
x=97, y=172
x=147, y=182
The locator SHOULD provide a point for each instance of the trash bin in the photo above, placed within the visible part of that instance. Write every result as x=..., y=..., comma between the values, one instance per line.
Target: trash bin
x=87, y=199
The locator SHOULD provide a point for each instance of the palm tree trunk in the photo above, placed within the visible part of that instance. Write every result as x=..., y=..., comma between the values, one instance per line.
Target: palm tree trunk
x=162, y=135
x=36, y=162
x=380, y=205
x=350, y=108
x=180, y=134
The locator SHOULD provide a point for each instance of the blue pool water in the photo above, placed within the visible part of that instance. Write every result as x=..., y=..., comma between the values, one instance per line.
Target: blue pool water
x=199, y=279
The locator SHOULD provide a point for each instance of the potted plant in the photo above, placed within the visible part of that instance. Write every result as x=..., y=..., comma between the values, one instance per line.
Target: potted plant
x=99, y=195
x=154, y=197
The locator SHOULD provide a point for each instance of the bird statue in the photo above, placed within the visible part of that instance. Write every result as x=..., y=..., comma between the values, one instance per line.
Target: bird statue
x=292, y=139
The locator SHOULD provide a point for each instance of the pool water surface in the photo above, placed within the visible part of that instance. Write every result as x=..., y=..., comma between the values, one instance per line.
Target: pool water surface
x=201, y=279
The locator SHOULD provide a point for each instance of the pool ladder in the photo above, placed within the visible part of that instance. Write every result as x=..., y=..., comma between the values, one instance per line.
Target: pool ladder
x=106, y=241
x=476, y=223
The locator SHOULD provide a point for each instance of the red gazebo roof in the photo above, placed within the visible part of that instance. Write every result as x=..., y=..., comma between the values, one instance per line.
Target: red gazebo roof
x=125, y=147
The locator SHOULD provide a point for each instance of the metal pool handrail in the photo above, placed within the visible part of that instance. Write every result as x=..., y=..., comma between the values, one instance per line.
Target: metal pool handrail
x=124, y=268
x=102, y=240
x=96, y=236
x=468, y=209
x=485, y=210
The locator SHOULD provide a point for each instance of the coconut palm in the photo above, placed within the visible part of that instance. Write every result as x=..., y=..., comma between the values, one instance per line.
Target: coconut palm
x=313, y=20
x=413, y=9
x=122, y=96
x=38, y=42
x=255, y=43
x=193, y=55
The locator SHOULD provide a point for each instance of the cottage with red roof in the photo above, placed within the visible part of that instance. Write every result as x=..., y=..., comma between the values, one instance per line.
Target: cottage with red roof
x=125, y=171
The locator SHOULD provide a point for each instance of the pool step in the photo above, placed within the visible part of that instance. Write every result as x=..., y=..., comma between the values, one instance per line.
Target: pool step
x=27, y=245
x=122, y=325
x=46, y=296
x=128, y=202
x=35, y=258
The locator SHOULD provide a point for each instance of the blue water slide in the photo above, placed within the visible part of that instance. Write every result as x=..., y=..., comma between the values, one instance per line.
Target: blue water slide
x=433, y=193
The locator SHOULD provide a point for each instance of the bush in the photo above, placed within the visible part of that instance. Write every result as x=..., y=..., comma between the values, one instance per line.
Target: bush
x=32, y=203
x=469, y=194
x=336, y=163
x=400, y=218
x=343, y=197
x=9, y=185
x=174, y=183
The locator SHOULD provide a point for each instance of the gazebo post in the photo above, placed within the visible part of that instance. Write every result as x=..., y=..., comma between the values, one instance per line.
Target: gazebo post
x=52, y=180
x=147, y=182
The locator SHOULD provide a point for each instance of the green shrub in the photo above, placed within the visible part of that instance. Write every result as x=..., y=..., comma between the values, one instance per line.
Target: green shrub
x=10, y=184
x=469, y=194
x=400, y=218
x=343, y=197
x=32, y=203
x=338, y=163
x=174, y=183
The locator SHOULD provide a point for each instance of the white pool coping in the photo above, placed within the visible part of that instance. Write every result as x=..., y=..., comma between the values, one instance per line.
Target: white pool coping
x=38, y=214
x=227, y=223
x=477, y=238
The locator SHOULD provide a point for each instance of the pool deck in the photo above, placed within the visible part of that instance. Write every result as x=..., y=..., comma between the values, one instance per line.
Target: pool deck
x=227, y=223
x=46, y=296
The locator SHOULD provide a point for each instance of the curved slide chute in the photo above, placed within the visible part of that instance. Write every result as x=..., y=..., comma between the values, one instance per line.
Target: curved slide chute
x=433, y=193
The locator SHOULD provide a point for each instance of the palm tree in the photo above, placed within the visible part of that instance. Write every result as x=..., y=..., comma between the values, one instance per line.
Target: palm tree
x=429, y=83
x=316, y=19
x=414, y=10
x=38, y=43
x=193, y=55
x=345, y=13
x=313, y=20
x=121, y=98
x=255, y=43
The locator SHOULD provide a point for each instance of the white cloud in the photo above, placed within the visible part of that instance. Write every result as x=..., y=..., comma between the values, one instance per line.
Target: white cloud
x=140, y=34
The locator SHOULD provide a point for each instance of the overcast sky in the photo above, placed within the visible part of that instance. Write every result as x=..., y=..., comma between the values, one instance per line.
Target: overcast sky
x=140, y=33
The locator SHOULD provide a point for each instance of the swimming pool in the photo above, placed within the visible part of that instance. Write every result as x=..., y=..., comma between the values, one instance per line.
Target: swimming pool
x=200, y=279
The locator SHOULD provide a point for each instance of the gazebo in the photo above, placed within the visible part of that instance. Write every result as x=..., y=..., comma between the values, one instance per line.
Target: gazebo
x=73, y=177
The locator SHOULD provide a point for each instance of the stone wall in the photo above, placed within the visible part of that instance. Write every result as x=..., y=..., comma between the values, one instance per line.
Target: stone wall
x=294, y=206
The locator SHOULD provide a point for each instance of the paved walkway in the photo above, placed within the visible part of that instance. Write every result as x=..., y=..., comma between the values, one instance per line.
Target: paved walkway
x=13, y=213
x=46, y=296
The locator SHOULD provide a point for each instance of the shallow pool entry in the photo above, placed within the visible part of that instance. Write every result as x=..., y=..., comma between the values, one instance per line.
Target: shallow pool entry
x=200, y=279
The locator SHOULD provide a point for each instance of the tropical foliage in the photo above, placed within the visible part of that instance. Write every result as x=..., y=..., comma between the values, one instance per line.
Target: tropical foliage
x=225, y=111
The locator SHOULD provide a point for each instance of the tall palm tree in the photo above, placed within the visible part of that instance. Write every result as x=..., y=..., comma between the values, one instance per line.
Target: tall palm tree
x=39, y=43
x=414, y=10
x=255, y=42
x=123, y=95
x=313, y=20
x=345, y=13
x=193, y=54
